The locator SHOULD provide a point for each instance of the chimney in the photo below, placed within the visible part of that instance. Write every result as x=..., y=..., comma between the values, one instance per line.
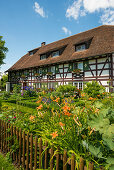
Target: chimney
x=43, y=43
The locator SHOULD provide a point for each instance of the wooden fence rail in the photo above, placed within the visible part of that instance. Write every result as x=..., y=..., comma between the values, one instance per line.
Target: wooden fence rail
x=30, y=153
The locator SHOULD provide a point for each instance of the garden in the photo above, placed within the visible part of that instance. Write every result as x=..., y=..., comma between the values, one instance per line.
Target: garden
x=80, y=121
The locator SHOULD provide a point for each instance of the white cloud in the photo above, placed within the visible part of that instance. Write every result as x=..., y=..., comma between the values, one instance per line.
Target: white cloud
x=66, y=31
x=108, y=17
x=39, y=10
x=74, y=9
x=80, y=8
x=96, y=5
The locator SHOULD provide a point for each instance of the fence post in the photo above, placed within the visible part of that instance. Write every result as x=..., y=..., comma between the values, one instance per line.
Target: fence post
x=35, y=155
x=40, y=152
x=31, y=151
x=14, y=140
x=20, y=145
x=46, y=156
x=51, y=158
x=91, y=166
x=6, y=137
x=65, y=160
x=57, y=159
x=9, y=137
x=81, y=164
x=27, y=152
x=17, y=150
x=23, y=149
x=73, y=162
x=0, y=133
x=4, y=145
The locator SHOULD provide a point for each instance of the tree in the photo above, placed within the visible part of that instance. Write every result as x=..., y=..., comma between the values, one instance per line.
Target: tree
x=3, y=81
x=3, y=50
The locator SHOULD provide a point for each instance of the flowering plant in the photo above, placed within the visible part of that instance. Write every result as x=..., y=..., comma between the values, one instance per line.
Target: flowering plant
x=76, y=70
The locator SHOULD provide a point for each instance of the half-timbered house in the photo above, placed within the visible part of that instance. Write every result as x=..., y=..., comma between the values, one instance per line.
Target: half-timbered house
x=74, y=60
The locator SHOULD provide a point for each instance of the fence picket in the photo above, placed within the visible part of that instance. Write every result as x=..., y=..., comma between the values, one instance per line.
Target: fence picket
x=35, y=155
x=23, y=149
x=51, y=158
x=27, y=152
x=20, y=145
x=81, y=164
x=11, y=141
x=14, y=137
x=65, y=160
x=57, y=160
x=31, y=151
x=4, y=142
x=91, y=166
x=40, y=153
x=73, y=162
x=0, y=133
x=6, y=138
x=46, y=156
x=17, y=150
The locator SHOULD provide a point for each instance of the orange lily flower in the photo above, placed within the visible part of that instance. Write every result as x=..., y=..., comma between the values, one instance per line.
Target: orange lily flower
x=67, y=114
x=31, y=118
x=56, y=100
x=61, y=124
x=54, y=134
x=40, y=107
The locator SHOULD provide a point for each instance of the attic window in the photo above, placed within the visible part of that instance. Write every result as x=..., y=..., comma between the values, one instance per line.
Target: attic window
x=80, y=47
x=42, y=57
x=55, y=54
x=31, y=53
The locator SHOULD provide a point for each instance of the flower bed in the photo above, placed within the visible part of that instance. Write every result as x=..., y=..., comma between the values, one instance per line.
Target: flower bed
x=83, y=126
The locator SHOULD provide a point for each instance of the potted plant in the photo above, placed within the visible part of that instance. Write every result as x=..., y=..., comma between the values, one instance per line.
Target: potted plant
x=49, y=73
x=37, y=74
x=23, y=76
x=76, y=70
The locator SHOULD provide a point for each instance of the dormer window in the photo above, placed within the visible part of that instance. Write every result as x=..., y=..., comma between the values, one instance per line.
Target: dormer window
x=55, y=54
x=31, y=53
x=42, y=57
x=80, y=47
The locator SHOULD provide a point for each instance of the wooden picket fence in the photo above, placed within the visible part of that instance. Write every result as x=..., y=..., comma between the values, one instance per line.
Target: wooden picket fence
x=30, y=153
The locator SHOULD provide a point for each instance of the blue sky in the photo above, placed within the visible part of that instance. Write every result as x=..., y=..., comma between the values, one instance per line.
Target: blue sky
x=24, y=24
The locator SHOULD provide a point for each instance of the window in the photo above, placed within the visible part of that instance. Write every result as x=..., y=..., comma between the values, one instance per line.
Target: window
x=55, y=54
x=42, y=57
x=31, y=53
x=53, y=69
x=80, y=47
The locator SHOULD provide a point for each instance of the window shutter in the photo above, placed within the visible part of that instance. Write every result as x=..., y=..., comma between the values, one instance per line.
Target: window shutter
x=57, y=69
x=86, y=65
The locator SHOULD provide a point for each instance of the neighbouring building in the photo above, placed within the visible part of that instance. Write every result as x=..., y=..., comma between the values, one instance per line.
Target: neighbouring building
x=74, y=60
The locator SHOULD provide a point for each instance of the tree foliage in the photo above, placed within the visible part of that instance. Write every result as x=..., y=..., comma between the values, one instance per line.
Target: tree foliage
x=3, y=81
x=3, y=50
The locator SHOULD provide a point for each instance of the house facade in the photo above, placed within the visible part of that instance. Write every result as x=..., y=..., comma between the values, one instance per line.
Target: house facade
x=74, y=60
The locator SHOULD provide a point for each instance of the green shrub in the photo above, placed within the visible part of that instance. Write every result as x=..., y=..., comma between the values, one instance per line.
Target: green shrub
x=93, y=89
x=16, y=88
x=5, y=95
x=66, y=89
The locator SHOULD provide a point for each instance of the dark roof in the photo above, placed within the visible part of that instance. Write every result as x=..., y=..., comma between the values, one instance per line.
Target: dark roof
x=102, y=42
